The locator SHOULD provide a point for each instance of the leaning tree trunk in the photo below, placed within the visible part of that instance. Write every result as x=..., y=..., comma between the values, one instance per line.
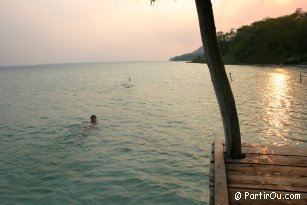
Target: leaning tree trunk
x=219, y=79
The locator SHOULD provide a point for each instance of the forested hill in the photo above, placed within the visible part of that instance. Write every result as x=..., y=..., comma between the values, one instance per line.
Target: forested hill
x=198, y=53
x=281, y=40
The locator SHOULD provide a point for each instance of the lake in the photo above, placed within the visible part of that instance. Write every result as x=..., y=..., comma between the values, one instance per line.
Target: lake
x=153, y=139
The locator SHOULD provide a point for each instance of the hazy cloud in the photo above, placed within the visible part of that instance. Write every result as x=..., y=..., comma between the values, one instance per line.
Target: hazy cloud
x=55, y=31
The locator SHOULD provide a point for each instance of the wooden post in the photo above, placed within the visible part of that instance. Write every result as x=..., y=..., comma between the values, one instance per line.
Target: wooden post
x=220, y=179
x=219, y=79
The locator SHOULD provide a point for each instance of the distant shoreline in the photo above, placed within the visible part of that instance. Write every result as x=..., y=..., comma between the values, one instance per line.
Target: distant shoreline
x=259, y=65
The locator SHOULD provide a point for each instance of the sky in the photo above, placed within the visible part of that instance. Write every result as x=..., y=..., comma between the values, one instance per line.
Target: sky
x=72, y=31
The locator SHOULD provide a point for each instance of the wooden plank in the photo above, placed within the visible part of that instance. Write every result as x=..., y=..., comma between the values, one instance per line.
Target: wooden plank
x=253, y=199
x=212, y=154
x=268, y=183
x=266, y=170
x=271, y=160
x=273, y=150
x=211, y=176
x=220, y=181
x=268, y=187
x=211, y=173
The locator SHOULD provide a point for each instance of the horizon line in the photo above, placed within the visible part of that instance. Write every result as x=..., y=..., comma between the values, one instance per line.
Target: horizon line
x=73, y=63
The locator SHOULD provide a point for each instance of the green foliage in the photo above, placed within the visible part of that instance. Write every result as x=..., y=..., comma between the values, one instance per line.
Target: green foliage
x=270, y=41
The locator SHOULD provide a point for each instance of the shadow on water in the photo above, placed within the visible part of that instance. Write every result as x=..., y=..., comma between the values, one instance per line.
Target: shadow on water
x=87, y=129
x=76, y=135
x=127, y=85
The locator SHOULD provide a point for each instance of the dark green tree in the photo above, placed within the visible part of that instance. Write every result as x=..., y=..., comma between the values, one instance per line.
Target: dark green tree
x=269, y=41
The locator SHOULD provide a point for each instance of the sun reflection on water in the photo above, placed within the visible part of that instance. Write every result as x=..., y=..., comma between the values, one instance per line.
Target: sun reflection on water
x=277, y=100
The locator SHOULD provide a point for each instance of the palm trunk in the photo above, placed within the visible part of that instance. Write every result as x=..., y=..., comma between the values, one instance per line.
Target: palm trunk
x=219, y=79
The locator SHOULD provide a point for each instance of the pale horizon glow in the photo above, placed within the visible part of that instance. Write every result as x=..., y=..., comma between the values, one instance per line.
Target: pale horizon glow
x=72, y=31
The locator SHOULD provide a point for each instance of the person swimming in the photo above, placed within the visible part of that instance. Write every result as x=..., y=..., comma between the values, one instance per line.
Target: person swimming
x=94, y=119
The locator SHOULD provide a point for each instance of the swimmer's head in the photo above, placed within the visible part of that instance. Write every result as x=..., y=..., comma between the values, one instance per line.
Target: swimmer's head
x=94, y=119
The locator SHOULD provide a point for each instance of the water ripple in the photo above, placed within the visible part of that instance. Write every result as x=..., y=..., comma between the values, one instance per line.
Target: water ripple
x=152, y=143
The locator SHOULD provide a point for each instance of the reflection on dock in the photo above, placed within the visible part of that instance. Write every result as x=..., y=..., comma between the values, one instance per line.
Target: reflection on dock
x=266, y=172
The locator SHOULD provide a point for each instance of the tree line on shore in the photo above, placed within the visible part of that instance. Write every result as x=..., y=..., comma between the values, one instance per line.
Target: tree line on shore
x=279, y=40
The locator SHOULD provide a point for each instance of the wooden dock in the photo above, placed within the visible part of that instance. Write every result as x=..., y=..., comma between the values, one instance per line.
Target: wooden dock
x=267, y=175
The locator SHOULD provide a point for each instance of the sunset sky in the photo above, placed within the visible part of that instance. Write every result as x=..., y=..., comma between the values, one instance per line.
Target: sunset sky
x=63, y=31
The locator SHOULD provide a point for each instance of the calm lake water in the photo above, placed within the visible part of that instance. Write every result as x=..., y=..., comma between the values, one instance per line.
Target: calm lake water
x=152, y=144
